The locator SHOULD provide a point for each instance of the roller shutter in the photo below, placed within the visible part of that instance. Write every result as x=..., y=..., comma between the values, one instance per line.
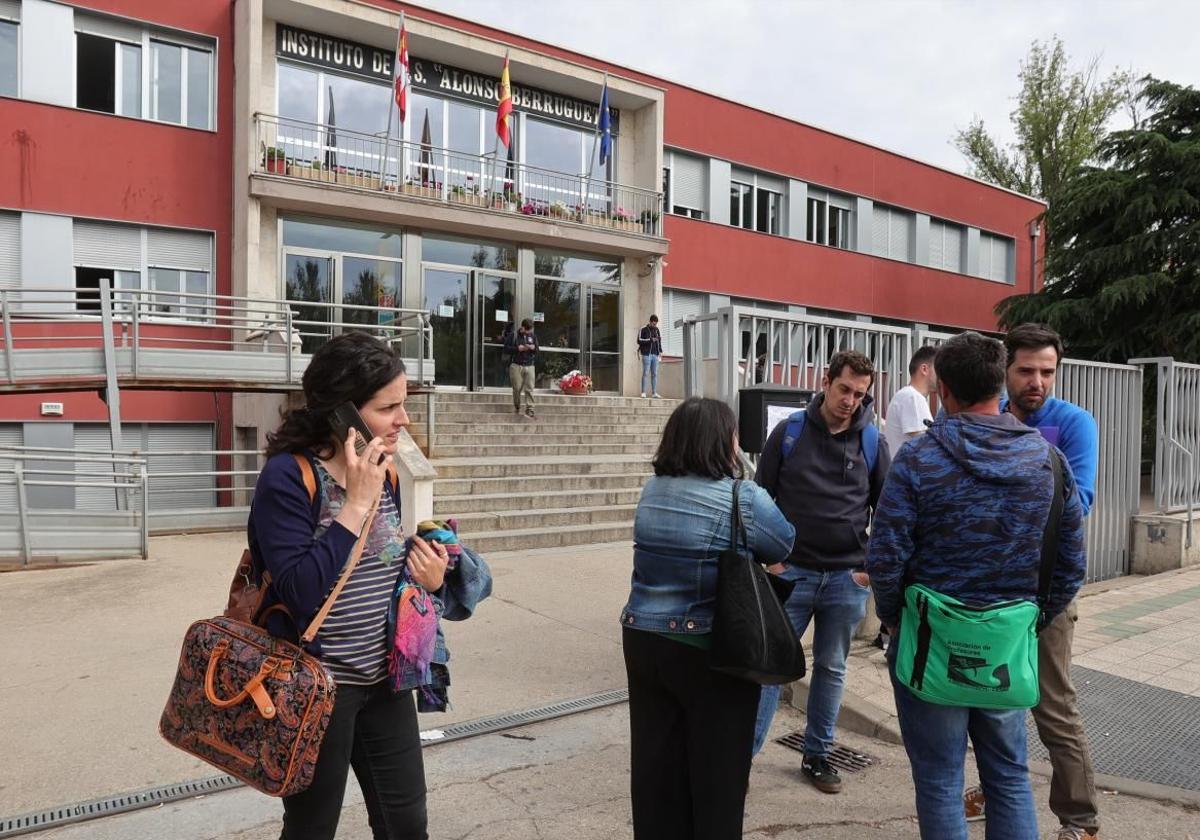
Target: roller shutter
x=11, y=434
x=691, y=181
x=107, y=245
x=10, y=250
x=179, y=249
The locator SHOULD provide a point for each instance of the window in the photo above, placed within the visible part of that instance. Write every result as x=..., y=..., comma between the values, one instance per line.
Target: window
x=689, y=185
x=945, y=245
x=175, y=263
x=111, y=74
x=8, y=57
x=828, y=218
x=10, y=250
x=666, y=187
x=768, y=210
x=741, y=213
x=995, y=258
x=893, y=233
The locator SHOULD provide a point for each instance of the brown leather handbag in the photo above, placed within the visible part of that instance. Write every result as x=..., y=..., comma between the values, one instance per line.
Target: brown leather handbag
x=249, y=703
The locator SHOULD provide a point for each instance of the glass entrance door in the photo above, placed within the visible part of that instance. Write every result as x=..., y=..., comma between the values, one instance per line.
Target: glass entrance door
x=495, y=312
x=367, y=281
x=603, y=340
x=470, y=311
x=309, y=277
x=447, y=291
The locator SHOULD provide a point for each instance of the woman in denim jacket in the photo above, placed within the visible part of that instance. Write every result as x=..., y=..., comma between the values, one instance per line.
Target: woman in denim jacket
x=691, y=728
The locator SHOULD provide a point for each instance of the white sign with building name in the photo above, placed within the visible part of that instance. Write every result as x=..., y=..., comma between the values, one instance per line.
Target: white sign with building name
x=445, y=311
x=539, y=317
x=501, y=314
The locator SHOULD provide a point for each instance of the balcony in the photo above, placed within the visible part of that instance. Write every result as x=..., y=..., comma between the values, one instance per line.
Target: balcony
x=82, y=339
x=327, y=155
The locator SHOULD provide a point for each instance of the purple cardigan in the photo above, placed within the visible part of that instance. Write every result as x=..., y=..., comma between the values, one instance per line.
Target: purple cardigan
x=283, y=539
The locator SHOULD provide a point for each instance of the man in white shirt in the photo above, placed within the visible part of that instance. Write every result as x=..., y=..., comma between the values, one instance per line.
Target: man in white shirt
x=909, y=409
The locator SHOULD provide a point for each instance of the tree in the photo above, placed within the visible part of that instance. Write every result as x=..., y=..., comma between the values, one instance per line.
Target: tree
x=1060, y=120
x=1129, y=264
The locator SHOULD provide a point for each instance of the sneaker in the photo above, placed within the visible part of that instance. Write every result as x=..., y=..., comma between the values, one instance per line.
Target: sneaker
x=1074, y=832
x=973, y=804
x=816, y=769
x=657, y=396
x=530, y=414
x=643, y=395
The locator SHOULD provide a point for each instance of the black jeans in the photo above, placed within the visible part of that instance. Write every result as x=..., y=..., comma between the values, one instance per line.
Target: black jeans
x=691, y=730
x=375, y=732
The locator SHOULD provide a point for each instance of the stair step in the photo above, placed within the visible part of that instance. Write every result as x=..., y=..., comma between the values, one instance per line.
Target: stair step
x=531, y=517
x=539, y=500
x=464, y=488
x=527, y=538
x=493, y=467
x=657, y=411
x=504, y=397
x=536, y=450
x=543, y=438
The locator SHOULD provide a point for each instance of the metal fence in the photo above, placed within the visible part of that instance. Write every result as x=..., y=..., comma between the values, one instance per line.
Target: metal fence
x=794, y=349
x=1112, y=394
x=756, y=346
x=333, y=155
x=1177, y=437
x=29, y=533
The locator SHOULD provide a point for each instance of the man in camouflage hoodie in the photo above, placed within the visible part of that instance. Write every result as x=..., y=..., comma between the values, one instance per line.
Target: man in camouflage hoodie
x=963, y=512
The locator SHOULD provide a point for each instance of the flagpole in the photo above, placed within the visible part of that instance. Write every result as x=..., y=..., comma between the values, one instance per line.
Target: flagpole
x=587, y=184
x=496, y=144
x=387, y=138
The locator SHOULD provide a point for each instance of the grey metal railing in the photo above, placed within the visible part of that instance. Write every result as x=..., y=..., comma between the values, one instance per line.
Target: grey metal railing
x=53, y=332
x=31, y=532
x=334, y=155
x=756, y=346
x=1177, y=436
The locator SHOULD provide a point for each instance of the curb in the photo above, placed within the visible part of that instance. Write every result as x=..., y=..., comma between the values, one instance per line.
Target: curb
x=857, y=715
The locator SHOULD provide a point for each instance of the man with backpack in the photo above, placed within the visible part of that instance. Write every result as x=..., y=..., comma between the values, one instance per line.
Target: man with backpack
x=977, y=542
x=825, y=468
x=650, y=348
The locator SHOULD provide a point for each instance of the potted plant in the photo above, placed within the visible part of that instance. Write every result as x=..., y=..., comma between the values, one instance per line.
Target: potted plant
x=276, y=161
x=559, y=210
x=458, y=193
x=512, y=198
x=649, y=222
x=576, y=383
x=623, y=219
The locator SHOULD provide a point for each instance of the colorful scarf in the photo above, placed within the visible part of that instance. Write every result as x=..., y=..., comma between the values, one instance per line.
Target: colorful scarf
x=415, y=639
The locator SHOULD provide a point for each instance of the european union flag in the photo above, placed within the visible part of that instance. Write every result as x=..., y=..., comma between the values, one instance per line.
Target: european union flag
x=605, y=126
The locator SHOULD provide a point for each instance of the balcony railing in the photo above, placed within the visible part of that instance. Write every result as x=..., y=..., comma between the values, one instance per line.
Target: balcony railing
x=56, y=334
x=333, y=155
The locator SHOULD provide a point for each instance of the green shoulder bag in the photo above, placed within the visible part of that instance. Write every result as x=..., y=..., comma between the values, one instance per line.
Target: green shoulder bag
x=954, y=654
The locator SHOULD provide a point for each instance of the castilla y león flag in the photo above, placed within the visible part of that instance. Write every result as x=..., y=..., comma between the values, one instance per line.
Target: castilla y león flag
x=402, y=70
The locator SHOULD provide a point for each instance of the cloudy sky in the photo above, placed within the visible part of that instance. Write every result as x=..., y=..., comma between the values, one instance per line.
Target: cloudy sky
x=903, y=74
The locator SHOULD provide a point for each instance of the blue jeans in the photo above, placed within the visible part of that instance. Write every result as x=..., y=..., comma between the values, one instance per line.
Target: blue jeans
x=837, y=604
x=650, y=371
x=935, y=738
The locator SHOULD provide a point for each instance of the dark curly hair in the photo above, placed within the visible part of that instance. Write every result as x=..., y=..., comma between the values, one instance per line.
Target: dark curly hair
x=350, y=367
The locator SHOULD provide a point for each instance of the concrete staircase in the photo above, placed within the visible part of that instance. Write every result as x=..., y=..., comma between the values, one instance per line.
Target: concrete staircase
x=570, y=477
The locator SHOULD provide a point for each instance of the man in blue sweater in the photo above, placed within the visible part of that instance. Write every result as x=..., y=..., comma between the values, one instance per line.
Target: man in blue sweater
x=1034, y=353
x=963, y=512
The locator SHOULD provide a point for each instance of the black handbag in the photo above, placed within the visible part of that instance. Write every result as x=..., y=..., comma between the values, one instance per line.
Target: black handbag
x=752, y=637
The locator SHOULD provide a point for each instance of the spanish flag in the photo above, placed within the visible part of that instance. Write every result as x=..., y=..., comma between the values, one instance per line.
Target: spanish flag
x=504, y=108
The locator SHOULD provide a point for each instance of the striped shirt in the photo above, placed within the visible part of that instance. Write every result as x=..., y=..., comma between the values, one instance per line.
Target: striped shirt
x=354, y=643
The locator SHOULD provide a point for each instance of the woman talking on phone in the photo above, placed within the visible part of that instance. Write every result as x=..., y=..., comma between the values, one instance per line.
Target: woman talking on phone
x=303, y=536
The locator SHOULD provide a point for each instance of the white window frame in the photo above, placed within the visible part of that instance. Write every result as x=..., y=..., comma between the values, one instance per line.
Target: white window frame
x=4, y=18
x=148, y=81
x=749, y=190
x=151, y=312
x=673, y=207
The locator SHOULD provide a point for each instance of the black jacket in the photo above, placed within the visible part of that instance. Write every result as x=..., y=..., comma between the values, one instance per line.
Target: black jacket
x=523, y=347
x=825, y=489
x=650, y=341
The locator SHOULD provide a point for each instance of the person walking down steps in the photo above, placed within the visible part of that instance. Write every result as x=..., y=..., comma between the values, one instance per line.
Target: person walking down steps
x=523, y=347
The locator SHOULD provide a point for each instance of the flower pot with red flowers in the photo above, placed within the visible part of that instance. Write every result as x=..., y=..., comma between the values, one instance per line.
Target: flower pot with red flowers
x=576, y=383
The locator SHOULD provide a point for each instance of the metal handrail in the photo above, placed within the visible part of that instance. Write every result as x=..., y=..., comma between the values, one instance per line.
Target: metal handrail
x=331, y=154
x=1167, y=482
x=140, y=319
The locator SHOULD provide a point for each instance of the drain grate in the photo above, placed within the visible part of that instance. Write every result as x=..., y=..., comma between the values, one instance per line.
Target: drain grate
x=1134, y=730
x=843, y=758
x=113, y=805
x=110, y=806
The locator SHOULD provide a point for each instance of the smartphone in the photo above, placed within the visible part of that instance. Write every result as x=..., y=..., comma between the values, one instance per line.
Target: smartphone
x=346, y=417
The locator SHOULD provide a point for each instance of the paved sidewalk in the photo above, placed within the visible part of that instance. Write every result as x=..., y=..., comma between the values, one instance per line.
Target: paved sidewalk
x=1137, y=671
